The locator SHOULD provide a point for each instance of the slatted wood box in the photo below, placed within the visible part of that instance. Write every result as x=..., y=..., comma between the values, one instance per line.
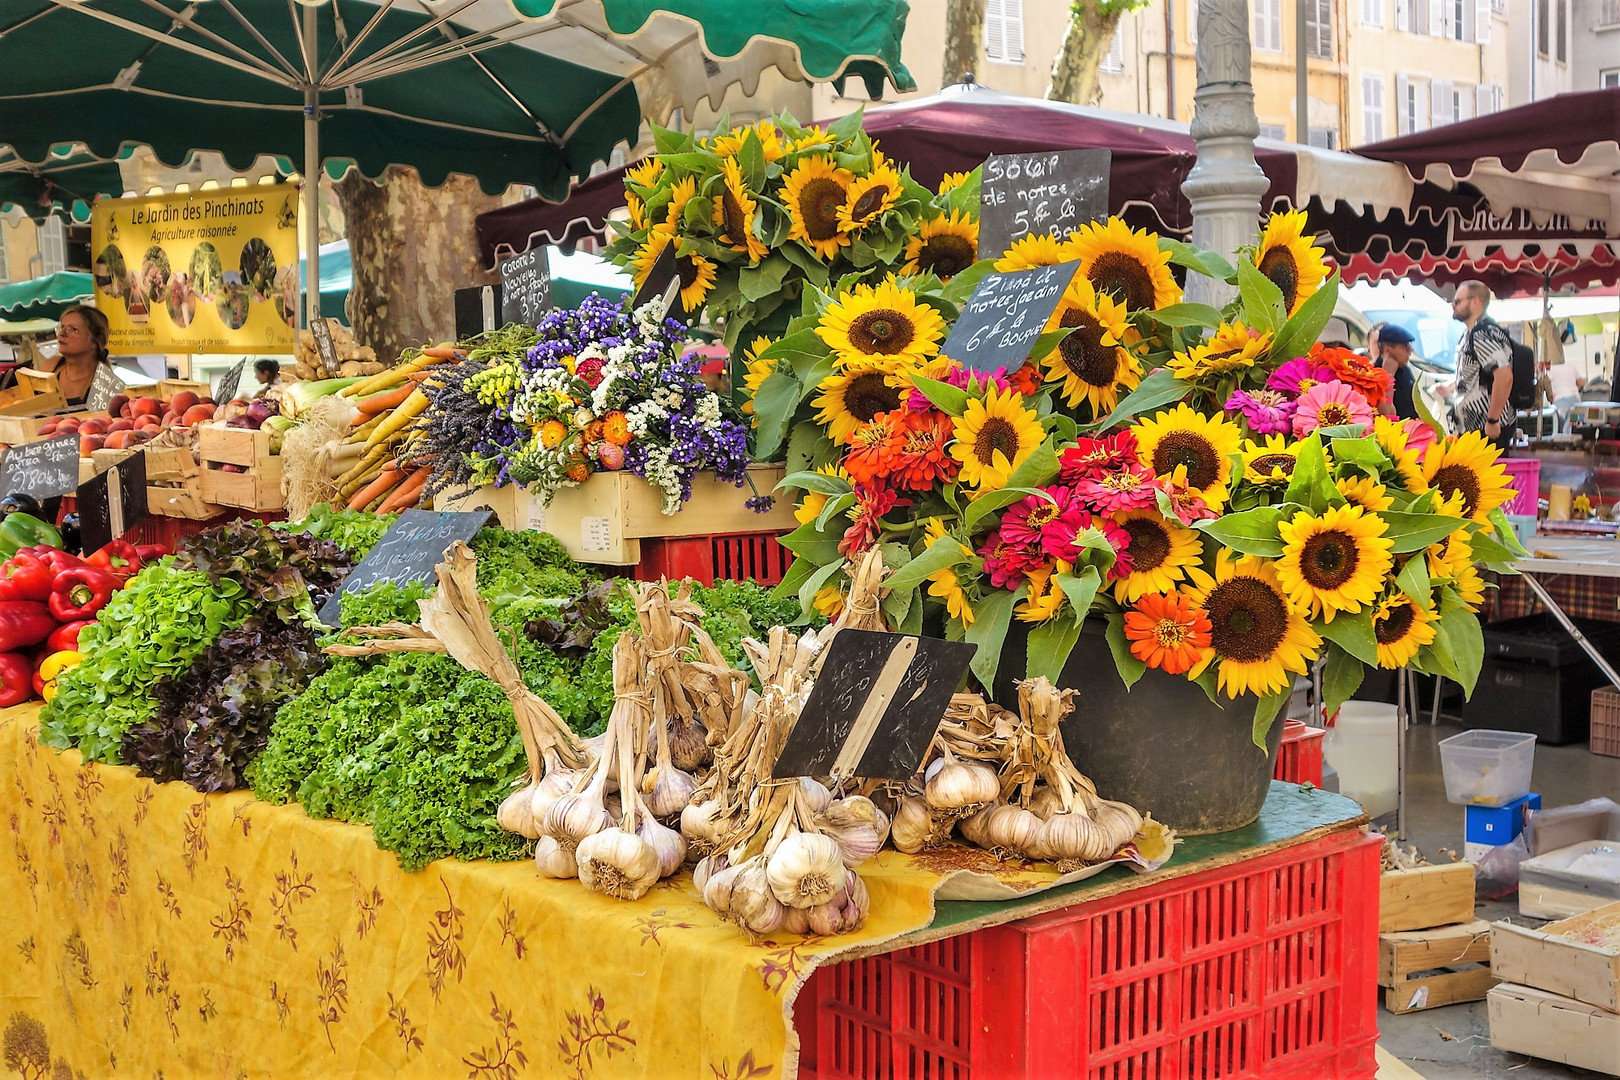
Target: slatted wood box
x=1425, y=896
x=1425, y=969
x=258, y=487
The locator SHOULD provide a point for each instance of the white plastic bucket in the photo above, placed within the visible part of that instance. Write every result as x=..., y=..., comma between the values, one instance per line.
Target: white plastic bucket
x=1361, y=746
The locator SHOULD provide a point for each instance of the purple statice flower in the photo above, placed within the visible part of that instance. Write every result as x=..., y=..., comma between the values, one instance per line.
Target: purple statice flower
x=1299, y=375
x=1266, y=412
x=760, y=504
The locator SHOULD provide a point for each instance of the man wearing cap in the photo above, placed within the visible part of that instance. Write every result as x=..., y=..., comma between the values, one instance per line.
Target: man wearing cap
x=1395, y=356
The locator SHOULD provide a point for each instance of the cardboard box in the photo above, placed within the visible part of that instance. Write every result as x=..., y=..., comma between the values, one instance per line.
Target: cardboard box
x=1525, y=1020
x=1578, y=957
x=1425, y=896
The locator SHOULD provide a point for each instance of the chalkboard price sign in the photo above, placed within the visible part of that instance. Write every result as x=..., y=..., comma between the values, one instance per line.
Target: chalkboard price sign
x=656, y=285
x=103, y=386
x=407, y=552
x=525, y=287
x=325, y=346
x=113, y=502
x=1005, y=315
x=229, y=383
x=875, y=706
x=1055, y=192
x=43, y=469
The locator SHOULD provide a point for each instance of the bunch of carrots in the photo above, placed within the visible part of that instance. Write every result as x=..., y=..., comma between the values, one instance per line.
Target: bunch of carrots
x=385, y=473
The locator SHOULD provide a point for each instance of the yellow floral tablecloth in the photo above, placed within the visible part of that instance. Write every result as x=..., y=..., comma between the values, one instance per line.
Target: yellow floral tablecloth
x=151, y=931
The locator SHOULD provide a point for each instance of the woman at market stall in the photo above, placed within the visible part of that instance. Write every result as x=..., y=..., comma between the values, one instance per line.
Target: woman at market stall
x=81, y=345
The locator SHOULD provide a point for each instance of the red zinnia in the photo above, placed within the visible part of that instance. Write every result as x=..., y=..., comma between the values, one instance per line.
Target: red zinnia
x=870, y=505
x=1129, y=487
x=1026, y=380
x=1008, y=564
x=1091, y=458
x=1050, y=524
x=923, y=458
x=1372, y=381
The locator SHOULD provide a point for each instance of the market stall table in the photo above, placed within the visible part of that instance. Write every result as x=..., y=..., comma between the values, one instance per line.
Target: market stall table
x=1556, y=556
x=157, y=929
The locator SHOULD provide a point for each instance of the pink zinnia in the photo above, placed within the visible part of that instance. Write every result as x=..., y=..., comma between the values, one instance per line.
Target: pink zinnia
x=974, y=382
x=1299, y=375
x=1091, y=459
x=1419, y=436
x=1331, y=404
x=1007, y=565
x=1129, y=487
x=1035, y=522
x=1189, y=505
x=1266, y=412
x=870, y=505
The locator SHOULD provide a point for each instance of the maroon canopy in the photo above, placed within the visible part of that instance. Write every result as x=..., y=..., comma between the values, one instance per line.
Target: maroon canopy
x=512, y=230
x=1569, y=125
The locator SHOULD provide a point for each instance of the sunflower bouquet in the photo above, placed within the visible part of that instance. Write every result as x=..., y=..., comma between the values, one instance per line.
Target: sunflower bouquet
x=1226, y=496
x=757, y=213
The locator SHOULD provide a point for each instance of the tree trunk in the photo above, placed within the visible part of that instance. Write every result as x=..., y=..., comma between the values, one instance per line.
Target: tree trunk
x=412, y=247
x=1085, y=43
x=964, y=40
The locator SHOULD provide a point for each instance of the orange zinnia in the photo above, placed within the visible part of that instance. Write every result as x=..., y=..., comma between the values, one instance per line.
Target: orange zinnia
x=1372, y=381
x=875, y=448
x=1169, y=632
x=1026, y=380
x=925, y=458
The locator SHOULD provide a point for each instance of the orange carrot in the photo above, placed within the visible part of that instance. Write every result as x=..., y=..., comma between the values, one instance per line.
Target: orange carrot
x=388, y=479
x=440, y=352
x=387, y=399
x=407, y=494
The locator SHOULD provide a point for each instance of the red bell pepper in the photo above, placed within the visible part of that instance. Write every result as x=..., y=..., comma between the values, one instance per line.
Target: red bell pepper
x=37, y=682
x=151, y=553
x=80, y=593
x=65, y=637
x=57, y=559
x=24, y=623
x=117, y=557
x=26, y=577
x=16, y=679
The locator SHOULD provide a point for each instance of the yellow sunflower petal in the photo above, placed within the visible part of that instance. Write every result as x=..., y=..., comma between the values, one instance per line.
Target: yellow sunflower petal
x=850, y=398
x=1090, y=364
x=883, y=324
x=1231, y=348
x=1467, y=465
x=1261, y=641
x=814, y=192
x=1184, y=438
x=1161, y=552
x=1028, y=252
x=735, y=212
x=943, y=246
x=993, y=437
x=1334, y=561
x=870, y=197
x=1290, y=259
x=1401, y=627
x=1125, y=264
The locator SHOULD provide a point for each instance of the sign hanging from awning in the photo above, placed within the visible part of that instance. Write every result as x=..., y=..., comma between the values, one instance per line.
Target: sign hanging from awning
x=208, y=271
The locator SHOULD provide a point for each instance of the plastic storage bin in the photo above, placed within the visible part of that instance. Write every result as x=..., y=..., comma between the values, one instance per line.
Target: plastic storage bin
x=1299, y=757
x=1487, y=768
x=1606, y=721
x=757, y=557
x=1525, y=476
x=1361, y=745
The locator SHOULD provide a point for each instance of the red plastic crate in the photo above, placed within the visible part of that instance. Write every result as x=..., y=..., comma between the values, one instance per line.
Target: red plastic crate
x=1265, y=969
x=756, y=557
x=1299, y=758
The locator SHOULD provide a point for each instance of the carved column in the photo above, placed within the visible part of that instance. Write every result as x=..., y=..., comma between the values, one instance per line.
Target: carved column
x=1226, y=184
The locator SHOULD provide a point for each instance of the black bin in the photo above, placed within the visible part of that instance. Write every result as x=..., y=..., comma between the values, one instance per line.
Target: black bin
x=1537, y=679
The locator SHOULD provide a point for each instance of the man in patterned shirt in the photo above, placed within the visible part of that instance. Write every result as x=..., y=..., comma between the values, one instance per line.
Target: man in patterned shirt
x=1480, y=399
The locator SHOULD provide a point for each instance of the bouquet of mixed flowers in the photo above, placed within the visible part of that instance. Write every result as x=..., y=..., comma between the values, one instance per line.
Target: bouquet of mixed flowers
x=1229, y=495
x=759, y=212
x=602, y=389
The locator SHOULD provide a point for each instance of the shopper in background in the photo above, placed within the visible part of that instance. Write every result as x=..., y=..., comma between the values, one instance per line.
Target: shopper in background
x=81, y=346
x=1480, y=397
x=1564, y=386
x=1395, y=357
x=268, y=372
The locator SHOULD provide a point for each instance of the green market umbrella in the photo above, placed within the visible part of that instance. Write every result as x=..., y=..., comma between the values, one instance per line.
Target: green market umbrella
x=45, y=297
x=67, y=182
x=509, y=91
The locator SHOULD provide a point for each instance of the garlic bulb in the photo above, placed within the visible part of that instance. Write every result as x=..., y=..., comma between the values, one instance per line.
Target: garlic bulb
x=688, y=743
x=753, y=905
x=554, y=860
x=664, y=841
x=577, y=815
x=857, y=824
x=557, y=782
x=815, y=793
x=857, y=901
x=718, y=889
x=668, y=790
x=823, y=919
x=617, y=863
x=1010, y=829
x=514, y=814
x=1119, y=820
x=913, y=828
x=959, y=788
x=975, y=827
x=1045, y=802
x=704, y=868
x=703, y=826
x=806, y=869
x=796, y=921
x=1065, y=837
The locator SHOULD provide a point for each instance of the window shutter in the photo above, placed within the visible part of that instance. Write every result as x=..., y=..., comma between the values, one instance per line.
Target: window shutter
x=1372, y=107
x=1563, y=31
x=1114, y=59
x=1483, y=100
x=1403, y=90
x=1420, y=107
x=995, y=31
x=1372, y=12
x=1465, y=102
x=1403, y=18
x=1440, y=111
x=1437, y=18
x=1482, y=21
x=1014, y=16
x=1192, y=22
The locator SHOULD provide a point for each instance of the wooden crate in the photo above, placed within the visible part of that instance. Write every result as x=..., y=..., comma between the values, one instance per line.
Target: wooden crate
x=19, y=422
x=1425, y=969
x=163, y=464
x=217, y=443
x=1525, y=1020
x=181, y=500
x=1553, y=959
x=604, y=519
x=259, y=488
x=87, y=469
x=1426, y=896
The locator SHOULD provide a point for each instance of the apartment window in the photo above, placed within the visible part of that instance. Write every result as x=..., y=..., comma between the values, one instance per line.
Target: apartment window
x=1457, y=17
x=1487, y=99
x=1323, y=138
x=1319, y=29
x=1114, y=59
x=1268, y=25
x=1481, y=11
x=1411, y=105
x=1607, y=80
x=1499, y=7
x=1609, y=13
x=1542, y=26
x=1004, y=31
x=1273, y=131
x=1192, y=21
x=1562, y=37
x=1412, y=15
x=1372, y=12
x=53, y=246
x=1372, y=107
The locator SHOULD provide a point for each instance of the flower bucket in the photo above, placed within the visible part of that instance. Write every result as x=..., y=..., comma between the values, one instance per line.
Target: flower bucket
x=1162, y=745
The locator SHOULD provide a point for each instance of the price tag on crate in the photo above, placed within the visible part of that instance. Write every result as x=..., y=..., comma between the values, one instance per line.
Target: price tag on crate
x=1053, y=192
x=325, y=346
x=104, y=386
x=407, y=552
x=525, y=287
x=112, y=503
x=1005, y=316
x=229, y=383
x=875, y=707
x=595, y=534
x=43, y=469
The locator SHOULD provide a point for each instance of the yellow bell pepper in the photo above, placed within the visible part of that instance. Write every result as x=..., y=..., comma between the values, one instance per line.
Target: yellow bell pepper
x=53, y=665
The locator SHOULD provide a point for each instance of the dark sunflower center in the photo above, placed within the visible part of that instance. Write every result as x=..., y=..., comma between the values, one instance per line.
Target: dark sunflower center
x=1265, y=463
x=736, y=220
x=1124, y=278
x=1454, y=478
x=686, y=268
x=1394, y=625
x=870, y=394
x=997, y=434
x=1083, y=352
x=867, y=205
x=946, y=255
x=1149, y=545
x=881, y=331
x=1278, y=265
x=1247, y=619
x=1192, y=451
x=819, y=201
x=1328, y=560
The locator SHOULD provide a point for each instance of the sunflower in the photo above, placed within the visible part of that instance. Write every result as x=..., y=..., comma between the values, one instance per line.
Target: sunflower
x=814, y=192
x=1452, y=560
x=1043, y=597
x=1365, y=492
x=697, y=275
x=1269, y=463
x=636, y=209
x=870, y=197
x=641, y=263
x=1468, y=464
x=1127, y=265
x=757, y=370
x=645, y=173
x=813, y=502
x=680, y=194
x=1232, y=347
x=734, y=213
x=1203, y=446
x=993, y=437
x=814, y=137
x=1160, y=550
x=952, y=180
x=829, y=601
x=1290, y=259
x=1169, y=632
x=944, y=584
x=1089, y=362
x=943, y=246
x=1334, y=561
x=730, y=144
x=1032, y=250
x=1400, y=628
x=881, y=324
x=1260, y=640
x=1392, y=439
x=857, y=394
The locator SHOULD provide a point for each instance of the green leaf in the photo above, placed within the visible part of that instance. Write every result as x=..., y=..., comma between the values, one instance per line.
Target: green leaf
x=698, y=212
x=757, y=282
x=999, y=499
x=991, y=617
x=696, y=161
x=897, y=605
x=1360, y=451
x=813, y=544
x=1081, y=589
x=1506, y=535
x=848, y=127
x=1413, y=580
x=1265, y=715
x=945, y=552
x=1037, y=470
x=1125, y=662
x=1050, y=340
x=1161, y=387
x=1489, y=553
x=952, y=400
x=801, y=352
x=798, y=572
x=1310, y=485
x=1300, y=332
x=815, y=271
x=752, y=160
x=774, y=405
x=669, y=141
x=1207, y=263
x=1353, y=633
x=1341, y=678
x=1095, y=550
x=1413, y=532
x=965, y=196
x=814, y=481
x=1262, y=300
x=813, y=583
x=1050, y=644
x=1252, y=532
x=1185, y=315
x=1464, y=644
x=835, y=506
x=962, y=285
